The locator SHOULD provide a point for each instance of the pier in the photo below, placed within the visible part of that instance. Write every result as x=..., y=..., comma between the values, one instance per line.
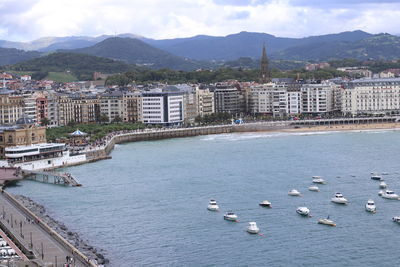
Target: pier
x=65, y=179
x=41, y=245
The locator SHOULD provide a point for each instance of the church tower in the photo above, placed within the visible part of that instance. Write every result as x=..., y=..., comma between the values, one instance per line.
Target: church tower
x=264, y=75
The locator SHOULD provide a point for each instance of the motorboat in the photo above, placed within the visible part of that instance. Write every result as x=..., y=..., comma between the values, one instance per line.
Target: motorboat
x=304, y=211
x=314, y=188
x=382, y=185
x=294, y=192
x=230, y=216
x=252, y=228
x=380, y=193
x=327, y=221
x=339, y=199
x=265, y=203
x=212, y=205
x=376, y=177
x=396, y=219
x=370, y=206
x=318, y=180
x=389, y=194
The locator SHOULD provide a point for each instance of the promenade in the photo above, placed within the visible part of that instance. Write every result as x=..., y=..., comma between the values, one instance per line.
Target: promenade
x=36, y=237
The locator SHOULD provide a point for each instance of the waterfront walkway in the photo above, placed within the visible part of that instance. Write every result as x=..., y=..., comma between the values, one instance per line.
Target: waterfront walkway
x=36, y=236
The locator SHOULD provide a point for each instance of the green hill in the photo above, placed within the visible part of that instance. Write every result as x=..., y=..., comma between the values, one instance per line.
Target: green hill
x=376, y=47
x=137, y=52
x=79, y=65
x=10, y=56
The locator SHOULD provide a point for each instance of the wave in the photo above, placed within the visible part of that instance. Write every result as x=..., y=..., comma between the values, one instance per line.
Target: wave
x=258, y=135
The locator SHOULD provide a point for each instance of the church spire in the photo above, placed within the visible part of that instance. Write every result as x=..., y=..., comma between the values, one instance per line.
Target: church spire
x=264, y=75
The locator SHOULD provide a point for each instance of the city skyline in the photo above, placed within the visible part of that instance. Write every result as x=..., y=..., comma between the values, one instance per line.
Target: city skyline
x=32, y=19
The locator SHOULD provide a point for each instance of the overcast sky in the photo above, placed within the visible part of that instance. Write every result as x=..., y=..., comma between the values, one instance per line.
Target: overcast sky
x=25, y=20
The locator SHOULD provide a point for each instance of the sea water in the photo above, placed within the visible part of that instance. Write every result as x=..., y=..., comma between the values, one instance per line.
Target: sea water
x=147, y=206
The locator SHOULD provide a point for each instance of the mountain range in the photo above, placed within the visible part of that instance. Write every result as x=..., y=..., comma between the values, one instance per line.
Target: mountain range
x=204, y=51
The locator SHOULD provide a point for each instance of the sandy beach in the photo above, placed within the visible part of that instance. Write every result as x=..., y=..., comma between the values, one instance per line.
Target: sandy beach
x=346, y=127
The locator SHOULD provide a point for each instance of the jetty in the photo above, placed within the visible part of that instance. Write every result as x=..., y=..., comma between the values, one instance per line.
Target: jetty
x=33, y=240
x=51, y=177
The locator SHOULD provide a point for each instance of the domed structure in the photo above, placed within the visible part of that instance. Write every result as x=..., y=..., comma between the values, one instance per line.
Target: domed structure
x=24, y=121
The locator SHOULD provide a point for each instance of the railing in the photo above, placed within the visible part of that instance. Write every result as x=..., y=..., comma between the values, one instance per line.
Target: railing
x=74, y=251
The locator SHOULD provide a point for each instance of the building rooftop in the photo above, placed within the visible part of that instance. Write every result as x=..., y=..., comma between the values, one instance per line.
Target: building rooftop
x=24, y=121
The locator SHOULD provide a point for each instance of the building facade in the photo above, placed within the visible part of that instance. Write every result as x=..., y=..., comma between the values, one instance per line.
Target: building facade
x=371, y=96
x=165, y=108
x=24, y=133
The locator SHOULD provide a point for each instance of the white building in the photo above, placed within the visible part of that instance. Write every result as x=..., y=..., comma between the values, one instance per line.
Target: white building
x=371, y=96
x=318, y=98
x=162, y=108
x=294, y=103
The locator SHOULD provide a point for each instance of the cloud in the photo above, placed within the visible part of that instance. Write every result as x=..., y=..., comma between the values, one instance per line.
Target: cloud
x=239, y=15
x=31, y=19
x=240, y=2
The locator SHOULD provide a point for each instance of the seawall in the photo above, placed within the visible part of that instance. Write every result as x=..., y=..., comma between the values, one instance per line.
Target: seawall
x=284, y=126
x=49, y=231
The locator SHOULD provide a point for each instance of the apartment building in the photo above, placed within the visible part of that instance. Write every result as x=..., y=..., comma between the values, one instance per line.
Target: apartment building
x=371, y=96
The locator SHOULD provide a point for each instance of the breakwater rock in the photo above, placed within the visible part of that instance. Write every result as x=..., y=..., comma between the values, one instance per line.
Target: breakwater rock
x=72, y=237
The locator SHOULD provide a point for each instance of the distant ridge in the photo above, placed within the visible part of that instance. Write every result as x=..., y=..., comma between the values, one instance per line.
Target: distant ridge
x=80, y=65
x=135, y=51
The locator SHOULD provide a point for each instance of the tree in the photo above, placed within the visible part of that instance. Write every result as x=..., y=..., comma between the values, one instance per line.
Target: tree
x=117, y=119
x=104, y=118
x=44, y=121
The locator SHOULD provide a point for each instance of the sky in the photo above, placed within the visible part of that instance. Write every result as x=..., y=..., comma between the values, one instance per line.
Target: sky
x=26, y=20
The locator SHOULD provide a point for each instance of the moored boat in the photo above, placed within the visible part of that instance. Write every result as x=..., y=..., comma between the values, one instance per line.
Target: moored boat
x=327, y=221
x=396, y=219
x=212, y=205
x=294, y=192
x=376, y=177
x=389, y=194
x=339, y=199
x=265, y=203
x=314, y=188
x=252, y=228
x=304, y=211
x=230, y=216
x=382, y=185
x=370, y=206
x=318, y=180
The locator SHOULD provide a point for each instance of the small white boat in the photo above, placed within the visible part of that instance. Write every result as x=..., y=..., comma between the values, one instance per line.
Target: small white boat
x=314, y=188
x=318, y=180
x=389, y=194
x=304, y=211
x=327, y=221
x=339, y=199
x=265, y=203
x=212, y=205
x=380, y=193
x=252, y=228
x=370, y=206
x=294, y=193
x=230, y=216
x=396, y=219
x=382, y=185
x=376, y=177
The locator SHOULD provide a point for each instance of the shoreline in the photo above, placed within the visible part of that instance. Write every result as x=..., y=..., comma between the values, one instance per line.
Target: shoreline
x=72, y=237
